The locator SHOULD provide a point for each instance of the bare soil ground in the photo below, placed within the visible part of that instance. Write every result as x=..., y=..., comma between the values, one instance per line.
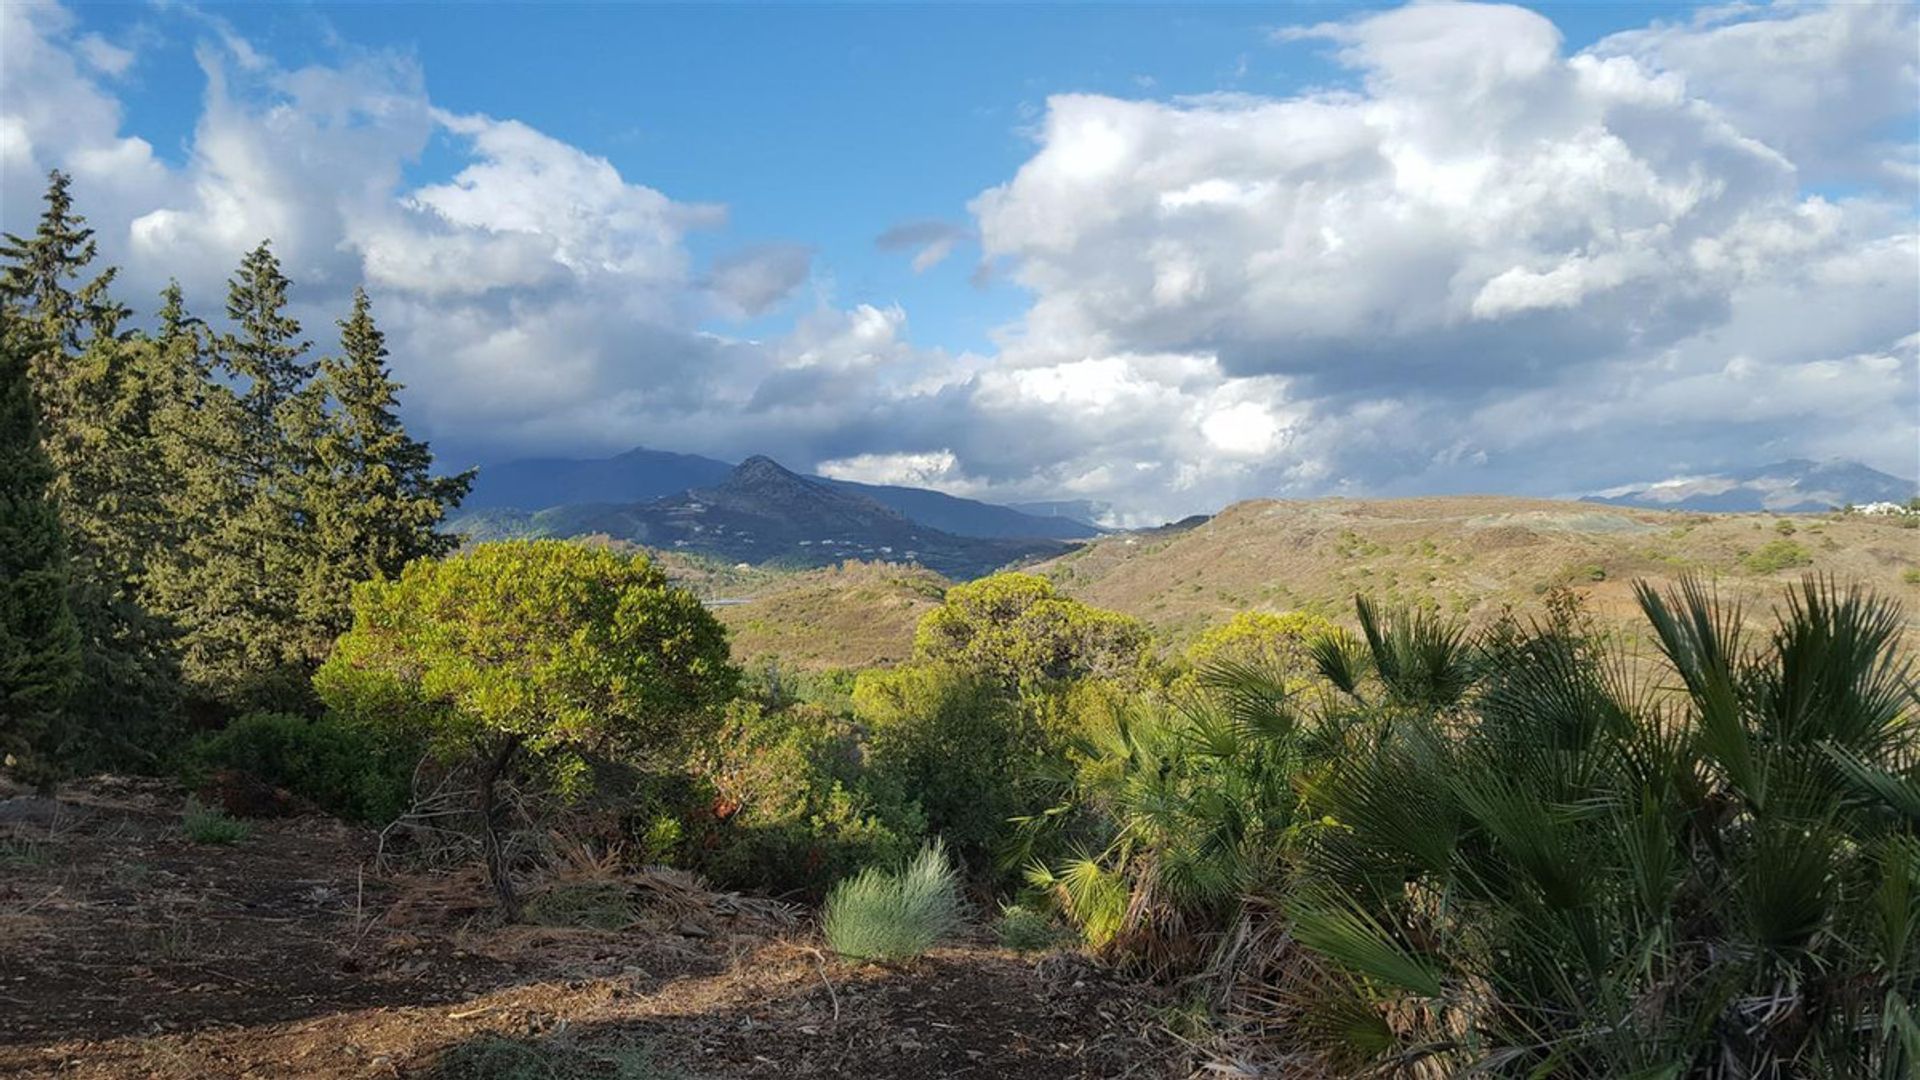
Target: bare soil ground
x=128, y=950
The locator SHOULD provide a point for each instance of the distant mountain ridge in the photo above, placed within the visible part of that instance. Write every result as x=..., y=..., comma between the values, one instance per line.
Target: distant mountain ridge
x=638, y=475
x=764, y=514
x=1796, y=485
x=642, y=475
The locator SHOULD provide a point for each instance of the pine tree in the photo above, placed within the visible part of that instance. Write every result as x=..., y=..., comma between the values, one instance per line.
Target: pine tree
x=240, y=460
x=97, y=400
x=37, y=275
x=373, y=499
x=265, y=351
x=39, y=639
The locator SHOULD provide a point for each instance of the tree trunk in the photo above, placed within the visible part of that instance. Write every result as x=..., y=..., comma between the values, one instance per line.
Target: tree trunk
x=497, y=872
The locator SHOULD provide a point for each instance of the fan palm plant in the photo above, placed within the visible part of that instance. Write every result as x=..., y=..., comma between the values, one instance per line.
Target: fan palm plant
x=1195, y=799
x=1532, y=865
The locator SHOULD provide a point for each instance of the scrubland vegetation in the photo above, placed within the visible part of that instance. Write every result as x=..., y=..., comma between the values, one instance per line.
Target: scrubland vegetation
x=1312, y=840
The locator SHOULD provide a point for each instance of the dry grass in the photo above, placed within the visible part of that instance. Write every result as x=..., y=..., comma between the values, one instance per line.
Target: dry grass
x=1468, y=556
x=853, y=615
x=1464, y=555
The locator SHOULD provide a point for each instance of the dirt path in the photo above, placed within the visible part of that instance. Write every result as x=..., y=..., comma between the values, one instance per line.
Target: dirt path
x=127, y=950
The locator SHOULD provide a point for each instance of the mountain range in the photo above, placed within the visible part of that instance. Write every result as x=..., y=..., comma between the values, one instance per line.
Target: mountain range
x=764, y=514
x=641, y=475
x=1782, y=487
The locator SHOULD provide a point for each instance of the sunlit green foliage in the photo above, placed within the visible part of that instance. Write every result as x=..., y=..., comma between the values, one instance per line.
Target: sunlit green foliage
x=1266, y=639
x=1196, y=804
x=791, y=805
x=1016, y=628
x=1574, y=876
x=541, y=648
x=1777, y=555
x=957, y=743
x=883, y=915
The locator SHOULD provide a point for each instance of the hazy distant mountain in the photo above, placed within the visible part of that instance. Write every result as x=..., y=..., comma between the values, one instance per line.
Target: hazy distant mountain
x=1784, y=486
x=1085, y=511
x=642, y=475
x=762, y=513
x=968, y=517
x=639, y=475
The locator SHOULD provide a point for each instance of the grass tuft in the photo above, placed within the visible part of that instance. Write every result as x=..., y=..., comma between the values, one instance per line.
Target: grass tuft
x=876, y=915
x=210, y=825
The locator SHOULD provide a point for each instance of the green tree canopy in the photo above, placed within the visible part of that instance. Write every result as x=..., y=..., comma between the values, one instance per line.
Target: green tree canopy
x=540, y=647
x=371, y=497
x=39, y=641
x=1017, y=628
x=1262, y=638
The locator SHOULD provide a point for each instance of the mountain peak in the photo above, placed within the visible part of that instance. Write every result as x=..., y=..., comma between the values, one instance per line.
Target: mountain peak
x=760, y=469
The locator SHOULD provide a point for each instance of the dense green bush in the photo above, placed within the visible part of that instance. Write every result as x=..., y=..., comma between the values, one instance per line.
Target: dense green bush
x=881, y=915
x=789, y=806
x=537, y=650
x=1184, y=807
x=1562, y=872
x=343, y=768
x=1776, y=555
x=1016, y=628
x=959, y=744
x=1501, y=853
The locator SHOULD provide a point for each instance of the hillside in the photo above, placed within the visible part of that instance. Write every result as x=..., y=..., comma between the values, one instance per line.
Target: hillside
x=1466, y=555
x=852, y=615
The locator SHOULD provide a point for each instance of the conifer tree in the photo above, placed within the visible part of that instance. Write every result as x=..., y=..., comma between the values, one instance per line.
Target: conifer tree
x=235, y=589
x=39, y=639
x=96, y=398
x=373, y=500
x=38, y=276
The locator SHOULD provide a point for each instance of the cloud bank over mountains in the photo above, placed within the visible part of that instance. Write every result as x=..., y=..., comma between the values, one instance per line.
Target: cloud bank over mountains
x=1486, y=264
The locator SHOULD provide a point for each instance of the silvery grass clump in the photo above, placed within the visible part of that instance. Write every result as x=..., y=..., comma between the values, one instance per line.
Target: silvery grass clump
x=879, y=915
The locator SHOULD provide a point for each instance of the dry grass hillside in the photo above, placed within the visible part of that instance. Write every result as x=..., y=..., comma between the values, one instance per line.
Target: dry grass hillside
x=853, y=615
x=1465, y=555
x=1469, y=556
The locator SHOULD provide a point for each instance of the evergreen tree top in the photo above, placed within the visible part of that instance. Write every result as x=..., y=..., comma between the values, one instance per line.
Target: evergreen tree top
x=39, y=269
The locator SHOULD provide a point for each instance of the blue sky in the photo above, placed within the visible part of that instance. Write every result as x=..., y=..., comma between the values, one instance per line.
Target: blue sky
x=1158, y=256
x=815, y=124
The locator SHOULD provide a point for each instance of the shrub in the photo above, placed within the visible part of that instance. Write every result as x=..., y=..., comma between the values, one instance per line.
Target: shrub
x=1015, y=628
x=960, y=743
x=1260, y=637
x=1026, y=929
x=347, y=769
x=877, y=915
x=1570, y=877
x=540, y=649
x=1777, y=555
x=1192, y=802
x=1911, y=575
x=208, y=825
x=789, y=805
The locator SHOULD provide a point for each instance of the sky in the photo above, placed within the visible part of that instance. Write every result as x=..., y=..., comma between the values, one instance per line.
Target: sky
x=1160, y=257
